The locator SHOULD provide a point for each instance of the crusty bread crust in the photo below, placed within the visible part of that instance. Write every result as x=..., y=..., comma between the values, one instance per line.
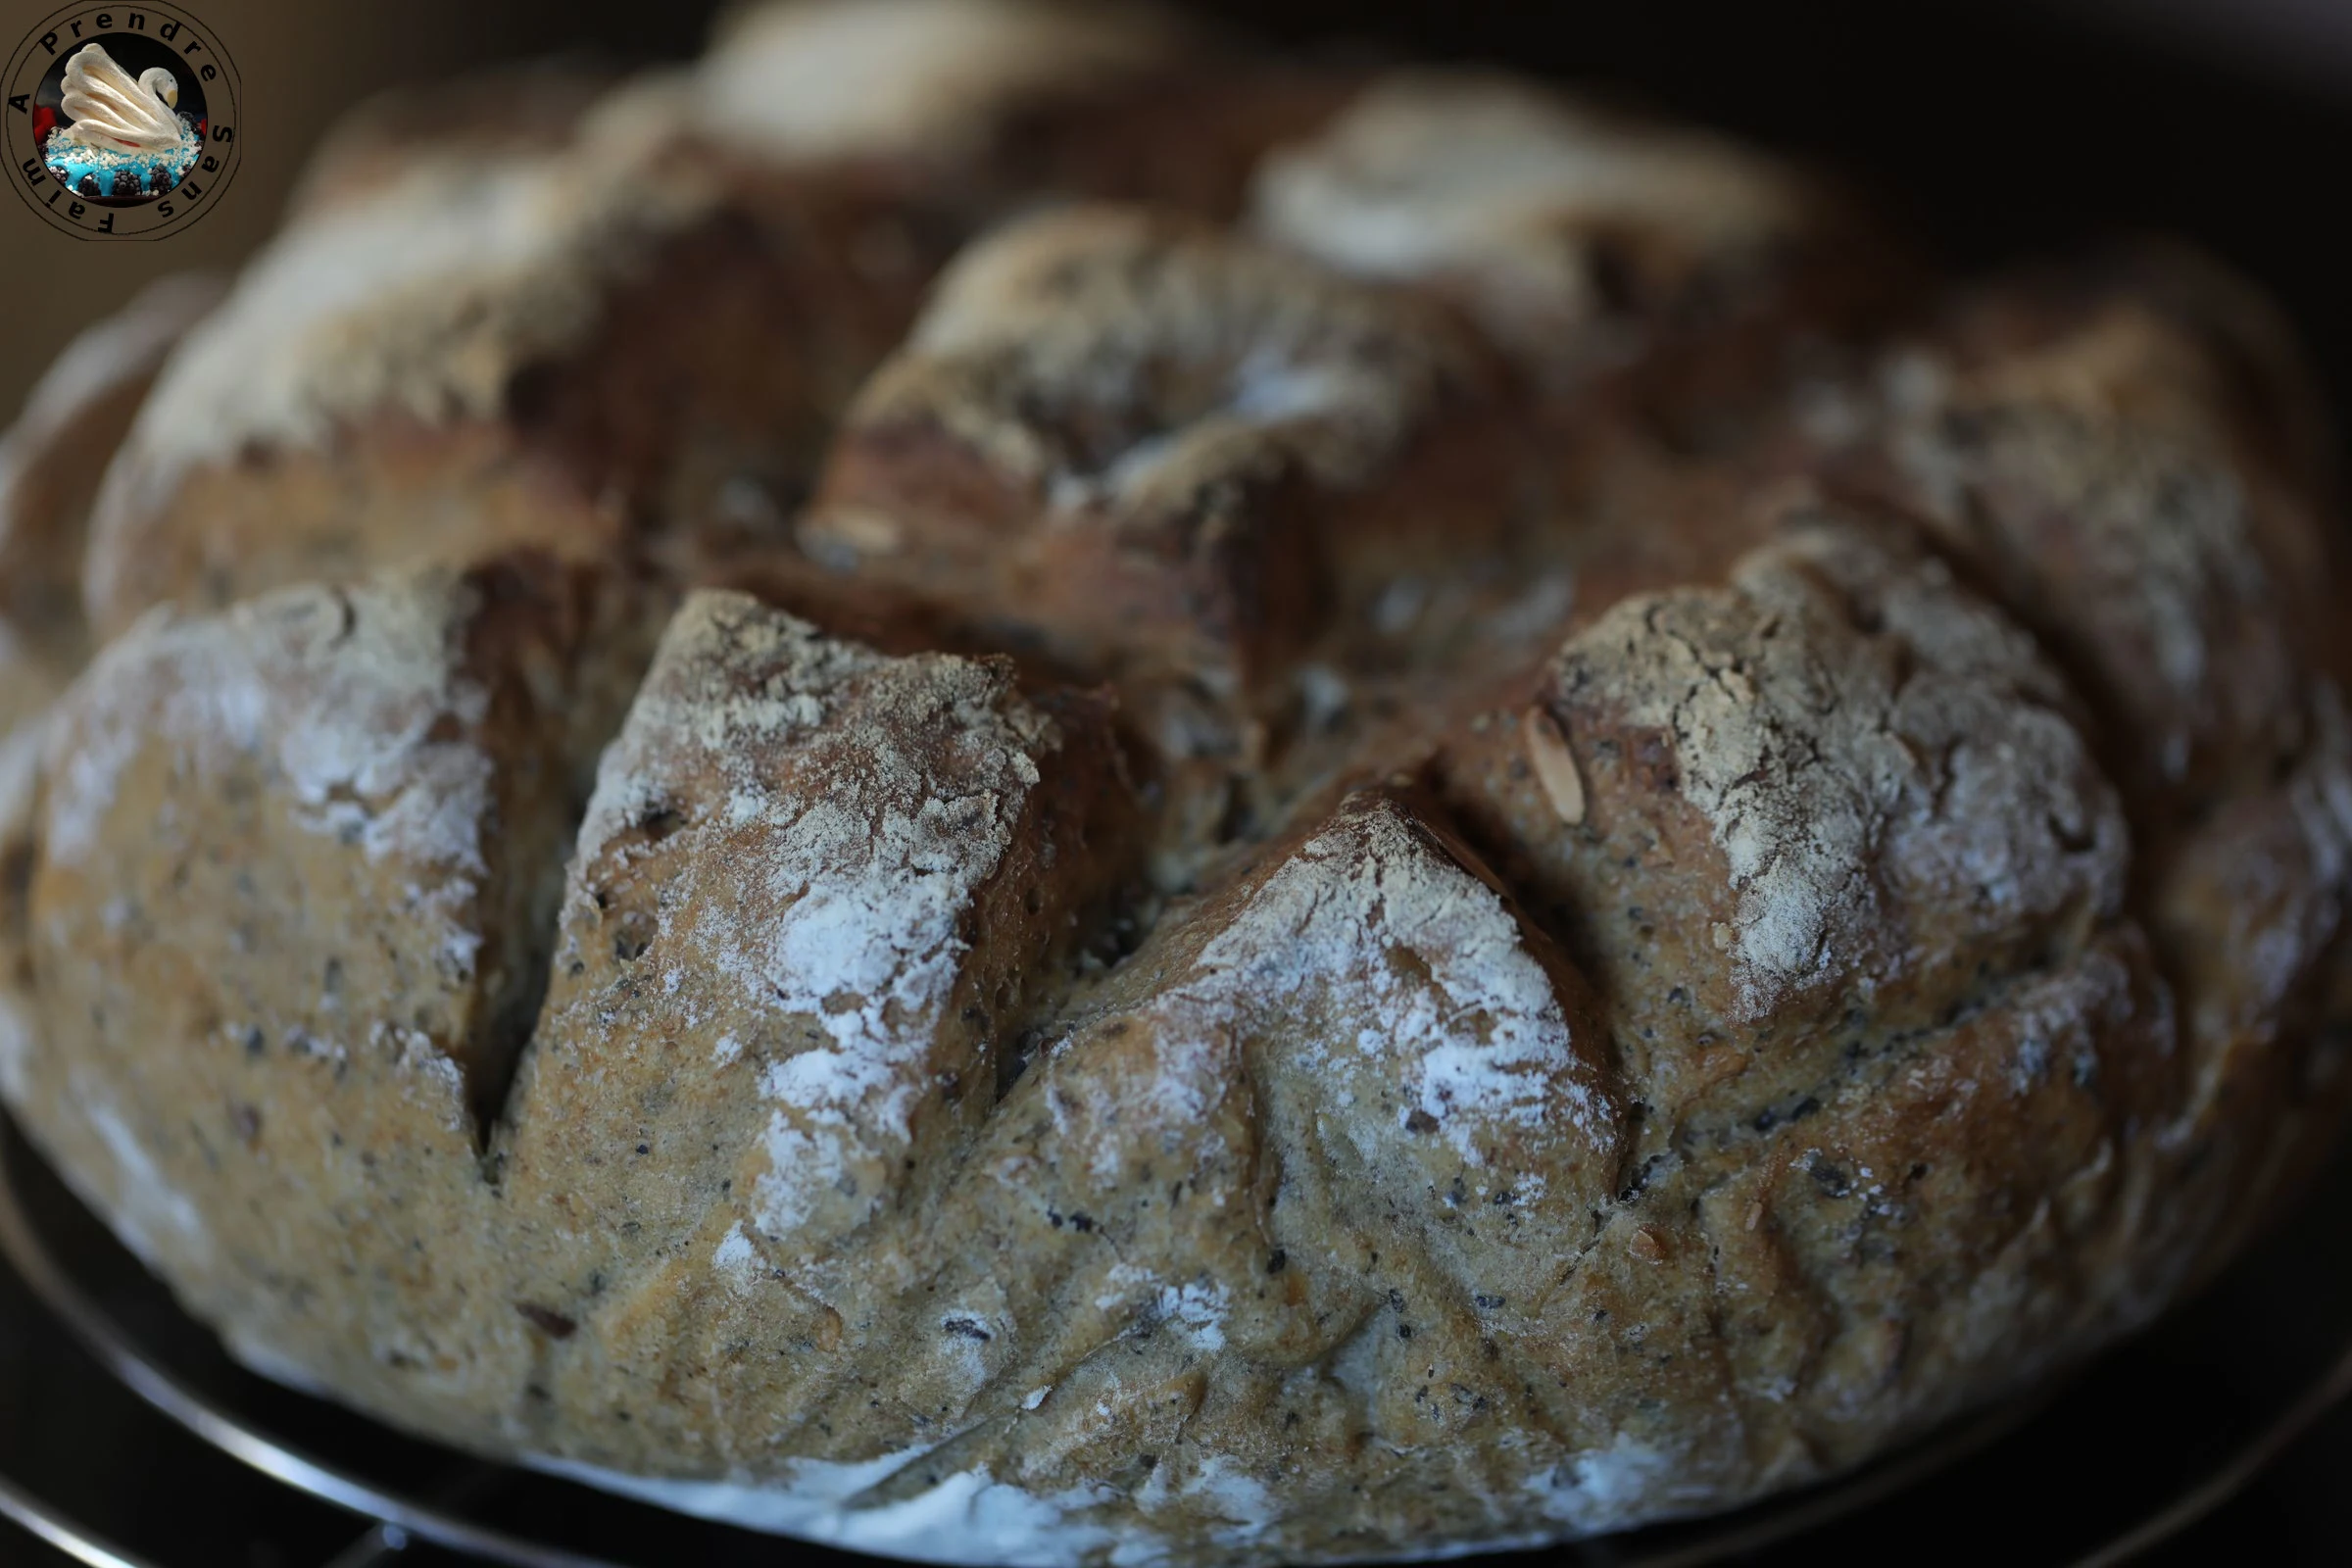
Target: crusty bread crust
x=1261, y=888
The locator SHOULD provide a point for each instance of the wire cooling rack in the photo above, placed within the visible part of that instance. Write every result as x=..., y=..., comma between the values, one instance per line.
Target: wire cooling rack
x=404, y=1496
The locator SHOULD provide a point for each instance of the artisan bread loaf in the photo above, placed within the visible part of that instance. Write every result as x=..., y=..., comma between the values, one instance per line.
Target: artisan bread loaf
x=1372, y=816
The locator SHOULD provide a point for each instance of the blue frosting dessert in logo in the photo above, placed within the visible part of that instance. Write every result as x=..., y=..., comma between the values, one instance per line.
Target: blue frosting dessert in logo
x=119, y=136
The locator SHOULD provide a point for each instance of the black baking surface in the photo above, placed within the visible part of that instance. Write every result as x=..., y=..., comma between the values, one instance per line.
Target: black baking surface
x=1995, y=131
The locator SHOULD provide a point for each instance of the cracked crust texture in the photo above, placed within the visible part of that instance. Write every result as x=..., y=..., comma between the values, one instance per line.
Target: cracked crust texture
x=1262, y=933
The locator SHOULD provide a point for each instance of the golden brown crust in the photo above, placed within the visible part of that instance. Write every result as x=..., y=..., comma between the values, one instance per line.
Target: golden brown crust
x=1566, y=230
x=1296, y=918
x=2120, y=455
x=601, y=381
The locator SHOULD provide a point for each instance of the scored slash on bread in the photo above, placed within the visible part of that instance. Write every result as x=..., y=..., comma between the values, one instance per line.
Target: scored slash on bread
x=310, y=842
x=1404, y=844
x=1160, y=448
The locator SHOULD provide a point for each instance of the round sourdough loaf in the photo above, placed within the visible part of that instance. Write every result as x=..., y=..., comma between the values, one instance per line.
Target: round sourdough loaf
x=995, y=785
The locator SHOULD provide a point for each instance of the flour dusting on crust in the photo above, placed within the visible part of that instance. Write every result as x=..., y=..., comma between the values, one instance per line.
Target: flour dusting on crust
x=1846, y=772
x=344, y=698
x=870, y=847
x=870, y=78
x=2136, y=548
x=1502, y=188
x=967, y=1516
x=1213, y=352
x=1475, y=1024
x=1450, y=1067
x=342, y=688
x=421, y=298
x=147, y=1205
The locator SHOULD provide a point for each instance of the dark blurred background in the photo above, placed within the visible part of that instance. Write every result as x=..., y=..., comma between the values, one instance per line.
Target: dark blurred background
x=1996, y=129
